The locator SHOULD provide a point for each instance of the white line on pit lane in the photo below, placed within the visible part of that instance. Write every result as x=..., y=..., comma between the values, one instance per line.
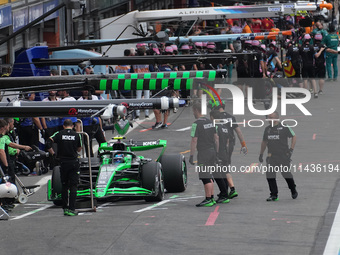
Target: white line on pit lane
x=32, y=212
x=183, y=129
x=333, y=243
x=152, y=207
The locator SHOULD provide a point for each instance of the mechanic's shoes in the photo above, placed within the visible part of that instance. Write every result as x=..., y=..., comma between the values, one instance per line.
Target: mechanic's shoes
x=69, y=212
x=272, y=198
x=232, y=194
x=222, y=200
x=206, y=203
x=157, y=125
x=294, y=194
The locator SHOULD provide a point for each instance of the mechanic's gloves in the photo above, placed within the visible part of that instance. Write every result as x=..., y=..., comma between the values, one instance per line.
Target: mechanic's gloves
x=289, y=153
x=191, y=160
x=261, y=158
x=244, y=148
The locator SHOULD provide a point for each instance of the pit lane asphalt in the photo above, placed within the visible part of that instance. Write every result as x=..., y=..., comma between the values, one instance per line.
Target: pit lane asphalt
x=247, y=225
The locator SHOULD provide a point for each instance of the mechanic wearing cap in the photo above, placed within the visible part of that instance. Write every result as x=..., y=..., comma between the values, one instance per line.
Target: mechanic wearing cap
x=205, y=140
x=332, y=42
x=320, y=59
x=233, y=126
x=69, y=144
x=307, y=55
x=276, y=137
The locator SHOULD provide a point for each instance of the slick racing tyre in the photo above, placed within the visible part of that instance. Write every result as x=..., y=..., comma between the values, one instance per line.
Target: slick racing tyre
x=152, y=179
x=56, y=185
x=175, y=172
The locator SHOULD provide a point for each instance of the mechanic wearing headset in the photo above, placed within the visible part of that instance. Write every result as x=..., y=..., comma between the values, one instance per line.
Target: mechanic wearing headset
x=69, y=144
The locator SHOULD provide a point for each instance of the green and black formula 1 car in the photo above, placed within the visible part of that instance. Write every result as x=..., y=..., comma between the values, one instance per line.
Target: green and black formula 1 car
x=119, y=172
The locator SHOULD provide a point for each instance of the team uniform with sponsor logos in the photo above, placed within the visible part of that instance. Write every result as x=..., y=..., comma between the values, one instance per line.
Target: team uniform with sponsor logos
x=224, y=134
x=320, y=68
x=278, y=156
x=332, y=42
x=294, y=56
x=205, y=131
x=307, y=54
x=68, y=142
x=231, y=125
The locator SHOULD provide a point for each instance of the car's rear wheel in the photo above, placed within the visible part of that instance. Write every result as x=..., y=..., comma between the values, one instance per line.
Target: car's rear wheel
x=175, y=172
x=152, y=179
x=56, y=185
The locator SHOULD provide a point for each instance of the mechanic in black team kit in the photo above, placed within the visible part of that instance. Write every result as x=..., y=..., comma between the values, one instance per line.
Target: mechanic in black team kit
x=275, y=137
x=233, y=126
x=69, y=144
x=205, y=139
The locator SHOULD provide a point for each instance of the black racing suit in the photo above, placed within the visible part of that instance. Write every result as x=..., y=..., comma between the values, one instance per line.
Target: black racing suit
x=205, y=131
x=68, y=142
x=278, y=156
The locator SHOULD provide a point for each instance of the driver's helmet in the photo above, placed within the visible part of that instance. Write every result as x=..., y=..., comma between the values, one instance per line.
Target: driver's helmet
x=118, y=158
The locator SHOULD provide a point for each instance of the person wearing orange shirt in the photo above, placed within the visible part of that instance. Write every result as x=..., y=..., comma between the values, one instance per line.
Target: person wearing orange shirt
x=247, y=29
